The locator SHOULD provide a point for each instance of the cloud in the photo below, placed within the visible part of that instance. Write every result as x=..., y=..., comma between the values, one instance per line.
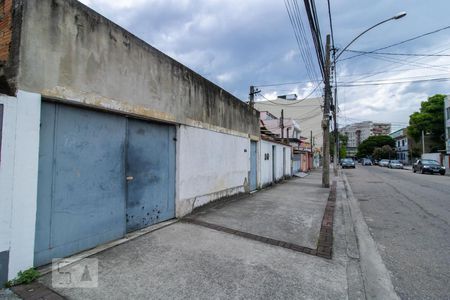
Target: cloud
x=237, y=43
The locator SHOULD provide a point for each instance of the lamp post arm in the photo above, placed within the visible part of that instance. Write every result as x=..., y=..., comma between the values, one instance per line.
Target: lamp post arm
x=343, y=50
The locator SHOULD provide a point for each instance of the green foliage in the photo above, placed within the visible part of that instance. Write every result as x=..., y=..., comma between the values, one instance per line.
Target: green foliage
x=343, y=139
x=25, y=277
x=367, y=147
x=429, y=119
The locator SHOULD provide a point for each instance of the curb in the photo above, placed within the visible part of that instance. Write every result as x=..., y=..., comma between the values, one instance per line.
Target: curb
x=376, y=277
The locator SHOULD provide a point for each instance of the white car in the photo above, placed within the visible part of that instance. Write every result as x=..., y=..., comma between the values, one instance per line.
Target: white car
x=384, y=163
x=395, y=164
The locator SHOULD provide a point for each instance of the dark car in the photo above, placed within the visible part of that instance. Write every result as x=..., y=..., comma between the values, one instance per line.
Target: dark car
x=428, y=166
x=347, y=163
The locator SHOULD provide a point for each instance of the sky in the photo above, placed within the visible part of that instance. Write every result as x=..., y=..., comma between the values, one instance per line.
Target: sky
x=237, y=43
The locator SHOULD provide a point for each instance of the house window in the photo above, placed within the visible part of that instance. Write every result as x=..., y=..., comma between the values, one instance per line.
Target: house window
x=403, y=143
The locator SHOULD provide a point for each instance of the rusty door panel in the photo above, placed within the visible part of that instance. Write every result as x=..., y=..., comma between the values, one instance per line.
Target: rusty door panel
x=150, y=174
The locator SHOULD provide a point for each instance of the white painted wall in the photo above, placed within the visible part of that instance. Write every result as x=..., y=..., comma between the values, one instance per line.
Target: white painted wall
x=265, y=162
x=266, y=175
x=19, y=174
x=7, y=168
x=211, y=165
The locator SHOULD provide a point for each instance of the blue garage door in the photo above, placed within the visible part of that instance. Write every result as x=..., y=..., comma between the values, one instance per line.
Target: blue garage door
x=150, y=174
x=82, y=189
x=253, y=166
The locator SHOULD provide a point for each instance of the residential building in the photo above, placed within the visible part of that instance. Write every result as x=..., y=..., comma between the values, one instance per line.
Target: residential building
x=359, y=132
x=403, y=145
x=101, y=134
x=307, y=113
x=291, y=133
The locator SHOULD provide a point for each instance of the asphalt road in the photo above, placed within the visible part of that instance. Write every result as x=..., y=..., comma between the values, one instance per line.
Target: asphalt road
x=408, y=216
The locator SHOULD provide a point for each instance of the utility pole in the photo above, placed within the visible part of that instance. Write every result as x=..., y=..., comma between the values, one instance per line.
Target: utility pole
x=311, y=149
x=282, y=125
x=423, y=142
x=252, y=96
x=326, y=119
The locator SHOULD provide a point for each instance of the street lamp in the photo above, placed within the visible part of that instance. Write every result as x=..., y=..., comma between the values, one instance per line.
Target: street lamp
x=335, y=58
x=396, y=17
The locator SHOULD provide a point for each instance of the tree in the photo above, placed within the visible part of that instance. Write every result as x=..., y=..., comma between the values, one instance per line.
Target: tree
x=367, y=147
x=385, y=152
x=343, y=139
x=429, y=119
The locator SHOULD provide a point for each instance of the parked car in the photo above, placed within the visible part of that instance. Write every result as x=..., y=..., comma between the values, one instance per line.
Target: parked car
x=375, y=162
x=395, y=164
x=428, y=166
x=347, y=163
x=366, y=162
x=383, y=163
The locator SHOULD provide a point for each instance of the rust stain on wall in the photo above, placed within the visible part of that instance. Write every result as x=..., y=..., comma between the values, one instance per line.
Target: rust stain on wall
x=5, y=28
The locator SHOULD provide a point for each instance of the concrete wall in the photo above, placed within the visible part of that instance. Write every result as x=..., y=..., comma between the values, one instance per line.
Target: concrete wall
x=211, y=165
x=18, y=178
x=266, y=162
x=70, y=52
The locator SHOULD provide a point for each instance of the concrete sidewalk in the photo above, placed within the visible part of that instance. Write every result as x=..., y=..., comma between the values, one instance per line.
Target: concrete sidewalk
x=187, y=261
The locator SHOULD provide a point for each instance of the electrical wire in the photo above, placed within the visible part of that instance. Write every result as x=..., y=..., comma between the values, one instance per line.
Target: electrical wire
x=399, y=43
x=397, y=54
x=293, y=102
x=398, y=82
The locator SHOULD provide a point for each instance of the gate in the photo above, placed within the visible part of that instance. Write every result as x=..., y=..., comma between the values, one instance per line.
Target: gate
x=84, y=197
x=253, y=166
x=150, y=174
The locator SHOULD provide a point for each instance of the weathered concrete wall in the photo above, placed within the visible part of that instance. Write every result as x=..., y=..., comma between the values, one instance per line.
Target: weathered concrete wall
x=266, y=162
x=211, y=165
x=70, y=52
x=18, y=179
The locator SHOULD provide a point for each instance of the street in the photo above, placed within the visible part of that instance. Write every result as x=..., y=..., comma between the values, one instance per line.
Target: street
x=408, y=217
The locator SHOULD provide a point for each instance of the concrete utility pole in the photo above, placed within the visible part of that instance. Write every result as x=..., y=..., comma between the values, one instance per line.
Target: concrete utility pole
x=252, y=96
x=326, y=119
x=282, y=125
x=311, y=149
x=423, y=142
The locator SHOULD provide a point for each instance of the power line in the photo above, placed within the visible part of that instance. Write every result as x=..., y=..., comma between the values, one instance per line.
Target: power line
x=303, y=32
x=381, y=80
x=315, y=32
x=406, y=63
x=397, y=54
x=397, y=82
x=399, y=43
x=294, y=102
x=296, y=24
x=286, y=83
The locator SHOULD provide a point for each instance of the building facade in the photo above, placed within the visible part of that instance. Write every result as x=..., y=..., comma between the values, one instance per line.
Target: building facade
x=359, y=132
x=307, y=113
x=403, y=146
x=101, y=134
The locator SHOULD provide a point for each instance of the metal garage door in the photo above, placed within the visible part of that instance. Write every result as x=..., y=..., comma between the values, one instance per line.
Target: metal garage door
x=82, y=189
x=150, y=174
x=253, y=166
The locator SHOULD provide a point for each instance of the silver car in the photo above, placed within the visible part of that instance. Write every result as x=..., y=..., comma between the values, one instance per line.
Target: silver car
x=384, y=163
x=395, y=164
